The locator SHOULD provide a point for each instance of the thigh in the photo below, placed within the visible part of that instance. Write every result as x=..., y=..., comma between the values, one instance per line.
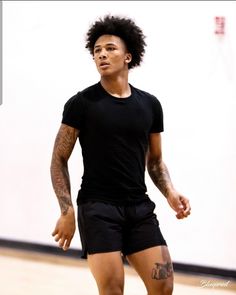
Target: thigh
x=155, y=268
x=100, y=227
x=108, y=271
x=142, y=229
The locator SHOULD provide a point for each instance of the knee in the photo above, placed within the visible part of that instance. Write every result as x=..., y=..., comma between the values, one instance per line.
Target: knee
x=165, y=288
x=112, y=288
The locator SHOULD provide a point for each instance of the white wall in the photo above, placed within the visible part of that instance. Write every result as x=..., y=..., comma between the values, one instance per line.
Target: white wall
x=188, y=67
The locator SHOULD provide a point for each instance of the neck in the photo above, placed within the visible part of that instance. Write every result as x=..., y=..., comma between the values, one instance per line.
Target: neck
x=118, y=86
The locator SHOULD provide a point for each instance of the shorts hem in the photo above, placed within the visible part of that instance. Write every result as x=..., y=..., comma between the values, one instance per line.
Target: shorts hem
x=144, y=247
x=86, y=253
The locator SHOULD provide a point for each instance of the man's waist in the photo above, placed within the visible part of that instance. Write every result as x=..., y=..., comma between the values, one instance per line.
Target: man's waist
x=116, y=198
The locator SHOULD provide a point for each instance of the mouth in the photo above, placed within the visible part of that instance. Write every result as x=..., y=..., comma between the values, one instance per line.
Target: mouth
x=104, y=65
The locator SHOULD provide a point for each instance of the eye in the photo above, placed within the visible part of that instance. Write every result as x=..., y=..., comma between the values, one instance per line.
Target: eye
x=110, y=48
x=97, y=50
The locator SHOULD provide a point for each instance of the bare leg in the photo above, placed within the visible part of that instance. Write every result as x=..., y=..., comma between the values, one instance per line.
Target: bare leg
x=108, y=271
x=155, y=268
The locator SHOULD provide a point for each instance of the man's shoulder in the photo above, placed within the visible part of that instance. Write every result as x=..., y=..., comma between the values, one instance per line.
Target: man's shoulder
x=89, y=90
x=86, y=92
x=144, y=94
x=89, y=93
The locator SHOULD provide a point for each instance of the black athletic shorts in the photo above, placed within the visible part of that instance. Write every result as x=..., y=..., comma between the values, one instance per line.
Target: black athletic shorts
x=105, y=228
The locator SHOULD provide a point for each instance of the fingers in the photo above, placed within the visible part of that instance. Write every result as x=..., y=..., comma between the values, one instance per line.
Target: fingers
x=183, y=208
x=62, y=243
x=186, y=209
x=64, y=240
x=54, y=232
x=64, y=231
x=67, y=244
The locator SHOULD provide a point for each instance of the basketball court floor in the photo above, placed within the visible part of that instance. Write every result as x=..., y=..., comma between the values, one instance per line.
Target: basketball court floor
x=32, y=273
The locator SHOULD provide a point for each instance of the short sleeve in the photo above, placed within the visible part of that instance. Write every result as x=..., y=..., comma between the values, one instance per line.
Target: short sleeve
x=157, y=124
x=74, y=112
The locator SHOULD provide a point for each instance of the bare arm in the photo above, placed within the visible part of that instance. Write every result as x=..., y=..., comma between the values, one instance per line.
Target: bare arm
x=161, y=178
x=64, y=144
x=156, y=167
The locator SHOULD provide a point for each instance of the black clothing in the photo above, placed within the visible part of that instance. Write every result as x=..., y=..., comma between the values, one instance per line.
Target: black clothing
x=107, y=228
x=114, y=134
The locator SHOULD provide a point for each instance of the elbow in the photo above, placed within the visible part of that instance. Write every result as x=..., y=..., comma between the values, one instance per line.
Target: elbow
x=153, y=163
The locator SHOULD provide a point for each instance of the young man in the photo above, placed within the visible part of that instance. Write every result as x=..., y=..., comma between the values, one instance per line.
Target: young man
x=119, y=128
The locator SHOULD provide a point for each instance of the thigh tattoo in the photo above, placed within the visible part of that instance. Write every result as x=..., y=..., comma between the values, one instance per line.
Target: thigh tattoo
x=162, y=271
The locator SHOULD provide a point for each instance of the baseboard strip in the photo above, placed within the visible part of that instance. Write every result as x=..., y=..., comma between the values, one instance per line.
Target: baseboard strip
x=76, y=253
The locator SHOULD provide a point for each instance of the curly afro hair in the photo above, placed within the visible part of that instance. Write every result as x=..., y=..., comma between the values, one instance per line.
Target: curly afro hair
x=124, y=28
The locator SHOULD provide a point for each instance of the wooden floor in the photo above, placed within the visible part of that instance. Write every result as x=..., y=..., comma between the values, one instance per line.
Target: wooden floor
x=30, y=273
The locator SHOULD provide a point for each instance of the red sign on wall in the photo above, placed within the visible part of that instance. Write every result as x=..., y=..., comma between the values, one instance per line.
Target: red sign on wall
x=220, y=25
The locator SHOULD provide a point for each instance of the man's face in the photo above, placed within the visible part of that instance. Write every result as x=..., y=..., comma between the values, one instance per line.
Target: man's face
x=110, y=55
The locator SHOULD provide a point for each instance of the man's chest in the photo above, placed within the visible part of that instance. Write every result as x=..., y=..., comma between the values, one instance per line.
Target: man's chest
x=127, y=119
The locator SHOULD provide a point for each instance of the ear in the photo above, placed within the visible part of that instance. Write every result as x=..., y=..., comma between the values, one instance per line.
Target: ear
x=128, y=58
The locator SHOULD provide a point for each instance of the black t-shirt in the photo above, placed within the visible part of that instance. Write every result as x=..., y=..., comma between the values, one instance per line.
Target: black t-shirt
x=114, y=134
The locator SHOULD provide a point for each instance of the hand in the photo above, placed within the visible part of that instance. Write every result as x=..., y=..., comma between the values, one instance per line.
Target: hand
x=64, y=230
x=180, y=204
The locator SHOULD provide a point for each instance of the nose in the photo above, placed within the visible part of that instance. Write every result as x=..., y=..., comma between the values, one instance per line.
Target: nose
x=103, y=54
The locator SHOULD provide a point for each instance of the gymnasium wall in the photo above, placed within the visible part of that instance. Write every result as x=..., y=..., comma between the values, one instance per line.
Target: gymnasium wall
x=187, y=66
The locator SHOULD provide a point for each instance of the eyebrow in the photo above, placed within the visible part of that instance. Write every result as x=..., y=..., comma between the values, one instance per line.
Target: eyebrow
x=107, y=44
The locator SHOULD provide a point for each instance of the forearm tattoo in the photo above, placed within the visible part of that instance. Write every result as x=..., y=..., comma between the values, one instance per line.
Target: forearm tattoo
x=63, y=147
x=160, y=175
x=64, y=203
